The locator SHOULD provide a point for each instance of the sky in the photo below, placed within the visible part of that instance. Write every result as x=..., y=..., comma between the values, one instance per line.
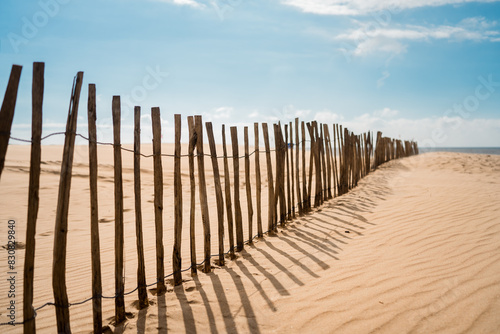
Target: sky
x=424, y=70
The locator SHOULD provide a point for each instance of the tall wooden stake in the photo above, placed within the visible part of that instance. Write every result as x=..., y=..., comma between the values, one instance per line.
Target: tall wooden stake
x=238, y=220
x=192, y=184
x=270, y=189
x=119, y=237
x=248, y=186
x=198, y=123
x=176, y=254
x=227, y=193
x=258, y=181
x=7, y=112
x=33, y=198
x=218, y=191
x=158, y=200
x=141, y=270
x=61, y=228
x=94, y=213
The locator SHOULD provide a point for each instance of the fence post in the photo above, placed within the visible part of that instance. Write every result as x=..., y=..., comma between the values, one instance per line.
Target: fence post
x=119, y=237
x=279, y=188
x=270, y=188
x=297, y=169
x=288, y=187
x=205, y=218
x=141, y=272
x=192, y=184
x=292, y=176
x=227, y=192
x=237, y=207
x=326, y=141
x=218, y=191
x=176, y=253
x=158, y=200
x=248, y=186
x=33, y=199
x=322, y=149
x=7, y=112
x=334, y=161
x=61, y=228
x=258, y=181
x=94, y=213
x=305, y=195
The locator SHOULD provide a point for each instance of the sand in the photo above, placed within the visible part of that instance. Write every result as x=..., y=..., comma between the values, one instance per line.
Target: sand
x=414, y=248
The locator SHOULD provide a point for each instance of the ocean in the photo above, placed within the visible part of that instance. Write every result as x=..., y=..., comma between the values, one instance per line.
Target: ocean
x=473, y=150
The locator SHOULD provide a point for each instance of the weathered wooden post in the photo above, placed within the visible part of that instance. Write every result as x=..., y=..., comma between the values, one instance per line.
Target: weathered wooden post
x=7, y=112
x=227, y=192
x=33, y=198
x=248, y=186
x=192, y=184
x=158, y=200
x=258, y=181
x=218, y=191
x=141, y=270
x=94, y=213
x=237, y=206
x=297, y=162
x=270, y=188
x=176, y=253
x=61, y=228
x=198, y=123
x=119, y=236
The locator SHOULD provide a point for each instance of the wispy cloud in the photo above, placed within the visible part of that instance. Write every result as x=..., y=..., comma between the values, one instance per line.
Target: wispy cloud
x=365, y=40
x=363, y=7
x=190, y=3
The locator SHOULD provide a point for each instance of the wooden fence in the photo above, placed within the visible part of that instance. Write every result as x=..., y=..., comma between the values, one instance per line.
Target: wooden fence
x=337, y=160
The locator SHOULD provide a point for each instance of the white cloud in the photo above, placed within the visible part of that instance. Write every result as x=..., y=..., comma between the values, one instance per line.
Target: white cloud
x=368, y=38
x=386, y=113
x=328, y=117
x=190, y=3
x=381, y=80
x=363, y=7
x=218, y=114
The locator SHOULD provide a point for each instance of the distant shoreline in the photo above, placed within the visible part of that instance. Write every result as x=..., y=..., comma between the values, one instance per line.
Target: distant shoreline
x=471, y=150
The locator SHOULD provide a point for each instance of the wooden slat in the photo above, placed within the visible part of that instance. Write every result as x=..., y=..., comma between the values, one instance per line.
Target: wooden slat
x=279, y=189
x=288, y=186
x=258, y=181
x=61, y=226
x=119, y=236
x=311, y=164
x=305, y=196
x=248, y=187
x=297, y=165
x=94, y=213
x=141, y=270
x=7, y=112
x=192, y=187
x=270, y=187
x=176, y=253
x=158, y=200
x=326, y=141
x=227, y=192
x=205, y=218
x=292, y=176
x=238, y=220
x=218, y=191
x=33, y=198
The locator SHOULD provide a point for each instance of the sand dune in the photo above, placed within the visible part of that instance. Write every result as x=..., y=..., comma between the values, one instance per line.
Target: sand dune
x=414, y=248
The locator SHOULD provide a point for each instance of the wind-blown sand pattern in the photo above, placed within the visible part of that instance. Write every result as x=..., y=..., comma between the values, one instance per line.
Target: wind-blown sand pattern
x=414, y=248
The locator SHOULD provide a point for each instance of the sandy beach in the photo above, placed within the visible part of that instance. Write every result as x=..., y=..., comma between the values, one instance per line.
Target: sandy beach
x=415, y=248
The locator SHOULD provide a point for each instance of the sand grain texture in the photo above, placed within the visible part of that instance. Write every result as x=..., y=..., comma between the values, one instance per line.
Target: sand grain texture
x=414, y=248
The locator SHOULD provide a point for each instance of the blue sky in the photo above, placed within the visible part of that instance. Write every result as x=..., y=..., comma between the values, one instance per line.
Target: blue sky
x=425, y=70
